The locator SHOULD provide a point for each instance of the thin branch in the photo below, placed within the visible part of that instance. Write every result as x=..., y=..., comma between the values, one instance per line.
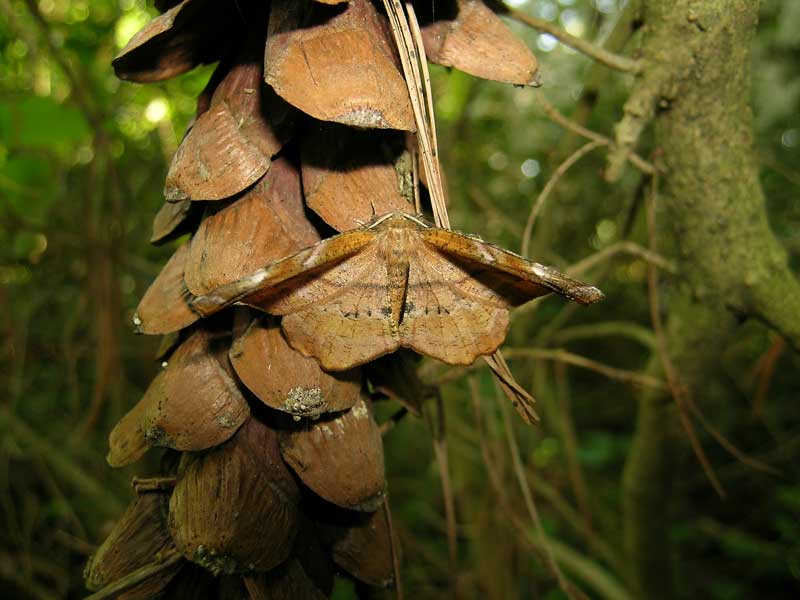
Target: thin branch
x=638, y=111
x=598, y=53
x=142, y=485
x=575, y=520
x=398, y=581
x=763, y=373
x=390, y=423
x=676, y=387
x=492, y=212
x=726, y=444
x=438, y=429
x=567, y=123
x=587, y=570
x=633, y=331
x=519, y=471
x=490, y=464
x=569, y=438
x=15, y=428
x=576, y=360
x=623, y=247
x=536, y=207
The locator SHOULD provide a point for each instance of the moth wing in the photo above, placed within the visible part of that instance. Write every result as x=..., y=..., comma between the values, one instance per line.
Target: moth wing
x=510, y=276
x=449, y=314
x=340, y=316
x=309, y=275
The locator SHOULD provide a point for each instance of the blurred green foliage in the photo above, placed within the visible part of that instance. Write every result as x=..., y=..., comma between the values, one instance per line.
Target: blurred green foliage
x=82, y=162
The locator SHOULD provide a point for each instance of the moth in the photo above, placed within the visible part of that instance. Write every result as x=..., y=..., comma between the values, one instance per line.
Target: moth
x=397, y=282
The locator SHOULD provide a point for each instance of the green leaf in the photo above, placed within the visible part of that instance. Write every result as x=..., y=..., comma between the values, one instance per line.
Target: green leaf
x=42, y=122
x=26, y=184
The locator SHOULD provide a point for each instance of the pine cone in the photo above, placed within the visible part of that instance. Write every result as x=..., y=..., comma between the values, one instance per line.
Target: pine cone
x=273, y=475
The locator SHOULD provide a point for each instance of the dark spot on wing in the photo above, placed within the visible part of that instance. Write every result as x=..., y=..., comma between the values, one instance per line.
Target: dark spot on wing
x=386, y=311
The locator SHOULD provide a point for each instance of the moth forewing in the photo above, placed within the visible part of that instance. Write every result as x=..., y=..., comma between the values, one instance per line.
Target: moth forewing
x=532, y=279
x=573, y=289
x=262, y=287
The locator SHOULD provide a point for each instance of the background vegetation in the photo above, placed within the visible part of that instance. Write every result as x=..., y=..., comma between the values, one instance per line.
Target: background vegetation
x=82, y=162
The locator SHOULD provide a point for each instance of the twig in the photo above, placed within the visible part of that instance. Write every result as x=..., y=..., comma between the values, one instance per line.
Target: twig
x=586, y=569
x=519, y=471
x=486, y=205
x=143, y=485
x=726, y=443
x=765, y=368
x=536, y=207
x=390, y=423
x=594, y=79
x=674, y=383
x=569, y=358
x=60, y=462
x=489, y=461
x=575, y=520
x=633, y=331
x=598, y=53
x=569, y=438
x=552, y=112
x=623, y=247
x=438, y=429
x=638, y=112
x=136, y=577
x=398, y=581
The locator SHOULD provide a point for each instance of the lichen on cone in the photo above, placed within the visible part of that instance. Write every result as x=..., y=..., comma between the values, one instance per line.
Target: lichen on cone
x=273, y=476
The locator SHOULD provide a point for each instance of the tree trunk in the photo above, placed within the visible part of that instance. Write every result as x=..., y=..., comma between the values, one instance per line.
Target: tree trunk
x=696, y=86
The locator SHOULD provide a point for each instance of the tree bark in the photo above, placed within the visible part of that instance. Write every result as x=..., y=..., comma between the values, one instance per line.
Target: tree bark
x=696, y=87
